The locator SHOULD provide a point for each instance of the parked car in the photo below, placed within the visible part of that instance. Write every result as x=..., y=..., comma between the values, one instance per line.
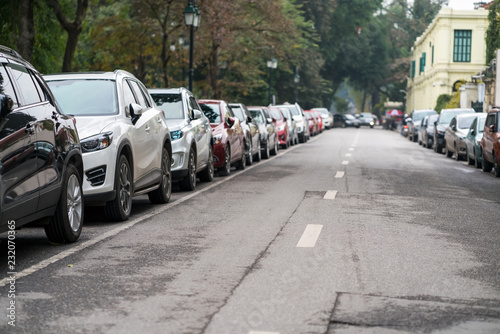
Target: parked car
x=473, y=141
x=426, y=132
x=319, y=119
x=41, y=164
x=228, y=136
x=326, y=116
x=367, y=119
x=415, y=120
x=268, y=134
x=345, y=120
x=302, y=128
x=281, y=126
x=291, y=124
x=191, y=136
x=490, y=143
x=125, y=139
x=251, y=130
x=312, y=122
x=442, y=123
x=454, y=137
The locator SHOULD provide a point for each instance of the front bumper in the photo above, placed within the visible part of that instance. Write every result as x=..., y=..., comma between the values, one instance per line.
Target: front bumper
x=180, y=157
x=219, y=155
x=99, y=175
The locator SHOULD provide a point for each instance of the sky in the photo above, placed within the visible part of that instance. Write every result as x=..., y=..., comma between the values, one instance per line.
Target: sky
x=463, y=4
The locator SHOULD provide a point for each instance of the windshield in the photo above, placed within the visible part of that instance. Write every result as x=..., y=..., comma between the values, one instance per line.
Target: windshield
x=292, y=109
x=80, y=97
x=417, y=116
x=257, y=116
x=366, y=115
x=349, y=117
x=446, y=116
x=465, y=122
x=275, y=113
x=481, y=121
x=171, y=104
x=238, y=112
x=211, y=111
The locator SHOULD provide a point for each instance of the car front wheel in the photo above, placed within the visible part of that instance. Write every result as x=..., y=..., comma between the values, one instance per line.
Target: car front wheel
x=496, y=167
x=66, y=224
x=163, y=193
x=119, y=209
x=226, y=169
x=189, y=181
x=207, y=175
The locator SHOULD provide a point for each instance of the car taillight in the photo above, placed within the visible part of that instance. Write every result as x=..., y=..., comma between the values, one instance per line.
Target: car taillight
x=405, y=127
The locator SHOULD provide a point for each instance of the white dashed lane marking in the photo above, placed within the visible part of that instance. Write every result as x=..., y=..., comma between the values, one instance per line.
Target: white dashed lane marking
x=345, y=162
x=330, y=194
x=310, y=236
x=339, y=175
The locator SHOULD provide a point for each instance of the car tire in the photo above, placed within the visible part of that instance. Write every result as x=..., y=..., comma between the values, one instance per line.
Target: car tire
x=67, y=222
x=487, y=166
x=164, y=191
x=258, y=155
x=274, y=151
x=188, y=183
x=477, y=163
x=120, y=208
x=458, y=157
x=207, y=175
x=343, y=125
x=266, y=152
x=470, y=161
x=447, y=152
x=242, y=164
x=226, y=169
x=249, y=154
x=496, y=167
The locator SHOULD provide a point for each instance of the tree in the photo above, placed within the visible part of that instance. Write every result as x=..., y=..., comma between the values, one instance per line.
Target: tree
x=493, y=32
x=73, y=28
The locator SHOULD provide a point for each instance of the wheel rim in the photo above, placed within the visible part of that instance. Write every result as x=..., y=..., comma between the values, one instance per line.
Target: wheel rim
x=259, y=154
x=125, y=196
x=167, y=176
x=210, y=162
x=227, y=165
x=192, y=169
x=74, y=203
x=249, y=154
x=267, y=149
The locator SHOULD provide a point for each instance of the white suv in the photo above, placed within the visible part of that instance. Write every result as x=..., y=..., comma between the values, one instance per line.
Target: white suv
x=124, y=138
x=191, y=134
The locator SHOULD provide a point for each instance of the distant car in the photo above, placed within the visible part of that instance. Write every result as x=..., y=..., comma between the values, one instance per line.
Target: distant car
x=426, y=132
x=126, y=144
x=326, y=116
x=415, y=120
x=367, y=119
x=312, y=122
x=268, y=134
x=473, y=141
x=454, y=137
x=41, y=164
x=251, y=130
x=490, y=143
x=292, y=125
x=191, y=135
x=442, y=123
x=321, y=125
x=300, y=120
x=281, y=126
x=228, y=136
x=345, y=121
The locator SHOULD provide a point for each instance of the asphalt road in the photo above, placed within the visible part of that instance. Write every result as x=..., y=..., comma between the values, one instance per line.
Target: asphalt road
x=356, y=231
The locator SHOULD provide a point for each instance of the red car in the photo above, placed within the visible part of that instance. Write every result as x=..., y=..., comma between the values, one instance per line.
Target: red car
x=490, y=143
x=228, y=136
x=281, y=127
x=319, y=119
x=312, y=122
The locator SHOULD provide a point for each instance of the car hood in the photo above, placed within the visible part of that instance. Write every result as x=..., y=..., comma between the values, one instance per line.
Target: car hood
x=176, y=124
x=441, y=127
x=90, y=126
x=297, y=118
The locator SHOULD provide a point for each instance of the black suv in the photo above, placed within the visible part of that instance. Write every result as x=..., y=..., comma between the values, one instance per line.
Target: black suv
x=40, y=156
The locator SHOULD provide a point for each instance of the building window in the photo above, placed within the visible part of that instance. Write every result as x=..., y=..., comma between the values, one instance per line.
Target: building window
x=422, y=63
x=432, y=64
x=413, y=69
x=462, y=46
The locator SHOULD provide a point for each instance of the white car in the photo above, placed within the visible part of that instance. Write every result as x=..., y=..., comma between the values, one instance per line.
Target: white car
x=124, y=137
x=191, y=134
x=301, y=125
x=326, y=116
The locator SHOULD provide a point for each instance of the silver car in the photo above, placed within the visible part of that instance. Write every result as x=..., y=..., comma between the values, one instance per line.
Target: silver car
x=191, y=134
x=326, y=116
x=300, y=121
x=454, y=137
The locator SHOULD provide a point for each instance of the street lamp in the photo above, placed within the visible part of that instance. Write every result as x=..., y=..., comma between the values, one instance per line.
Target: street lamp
x=192, y=19
x=296, y=80
x=271, y=64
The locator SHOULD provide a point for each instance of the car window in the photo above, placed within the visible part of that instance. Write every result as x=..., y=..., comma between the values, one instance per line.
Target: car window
x=6, y=86
x=138, y=94
x=466, y=121
x=238, y=112
x=25, y=80
x=171, y=104
x=257, y=116
x=211, y=111
x=453, y=122
x=275, y=113
x=490, y=120
x=480, y=125
x=81, y=97
x=128, y=96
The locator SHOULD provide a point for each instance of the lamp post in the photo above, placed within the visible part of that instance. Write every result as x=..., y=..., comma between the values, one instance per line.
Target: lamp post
x=271, y=64
x=296, y=80
x=192, y=19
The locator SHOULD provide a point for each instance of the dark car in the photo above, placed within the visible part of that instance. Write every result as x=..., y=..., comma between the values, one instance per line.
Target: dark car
x=490, y=143
x=367, y=119
x=41, y=165
x=415, y=120
x=473, y=141
x=268, y=134
x=228, y=136
x=251, y=129
x=442, y=123
x=344, y=121
x=426, y=133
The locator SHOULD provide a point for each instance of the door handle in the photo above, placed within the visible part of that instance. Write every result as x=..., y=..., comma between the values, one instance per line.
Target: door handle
x=147, y=128
x=158, y=119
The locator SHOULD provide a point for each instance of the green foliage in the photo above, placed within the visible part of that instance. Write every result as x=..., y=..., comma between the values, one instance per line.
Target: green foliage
x=341, y=105
x=442, y=101
x=493, y=31
x=454, y=101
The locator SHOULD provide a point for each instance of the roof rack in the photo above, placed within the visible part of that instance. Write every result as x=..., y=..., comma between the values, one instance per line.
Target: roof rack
x=10, y=51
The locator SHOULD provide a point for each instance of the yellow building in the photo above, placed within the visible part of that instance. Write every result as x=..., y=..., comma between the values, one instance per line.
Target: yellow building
x=452, y=48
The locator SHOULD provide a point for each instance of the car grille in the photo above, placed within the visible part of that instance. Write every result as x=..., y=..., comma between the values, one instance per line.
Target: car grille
x=96, y=176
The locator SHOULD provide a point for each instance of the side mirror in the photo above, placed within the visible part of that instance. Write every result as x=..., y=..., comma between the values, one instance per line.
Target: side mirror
x=229, y=122
x=492, y=128
x=135, y=112
x=285, y=119
x=269, y=120
x=196, y=114
x=6, y=104
x=274, y=119
x=454, y=127
x=473, y=132
x=249, y=119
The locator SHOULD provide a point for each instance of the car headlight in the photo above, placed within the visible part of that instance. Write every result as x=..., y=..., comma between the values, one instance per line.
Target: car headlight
x=97, y=142
x=440, y=133
x=218, y=138
x=176, y=134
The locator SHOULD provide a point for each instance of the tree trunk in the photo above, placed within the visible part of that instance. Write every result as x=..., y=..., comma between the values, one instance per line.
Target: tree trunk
x=213, y=73
x=364, y=101
x=69, y=53
x=26, y=32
